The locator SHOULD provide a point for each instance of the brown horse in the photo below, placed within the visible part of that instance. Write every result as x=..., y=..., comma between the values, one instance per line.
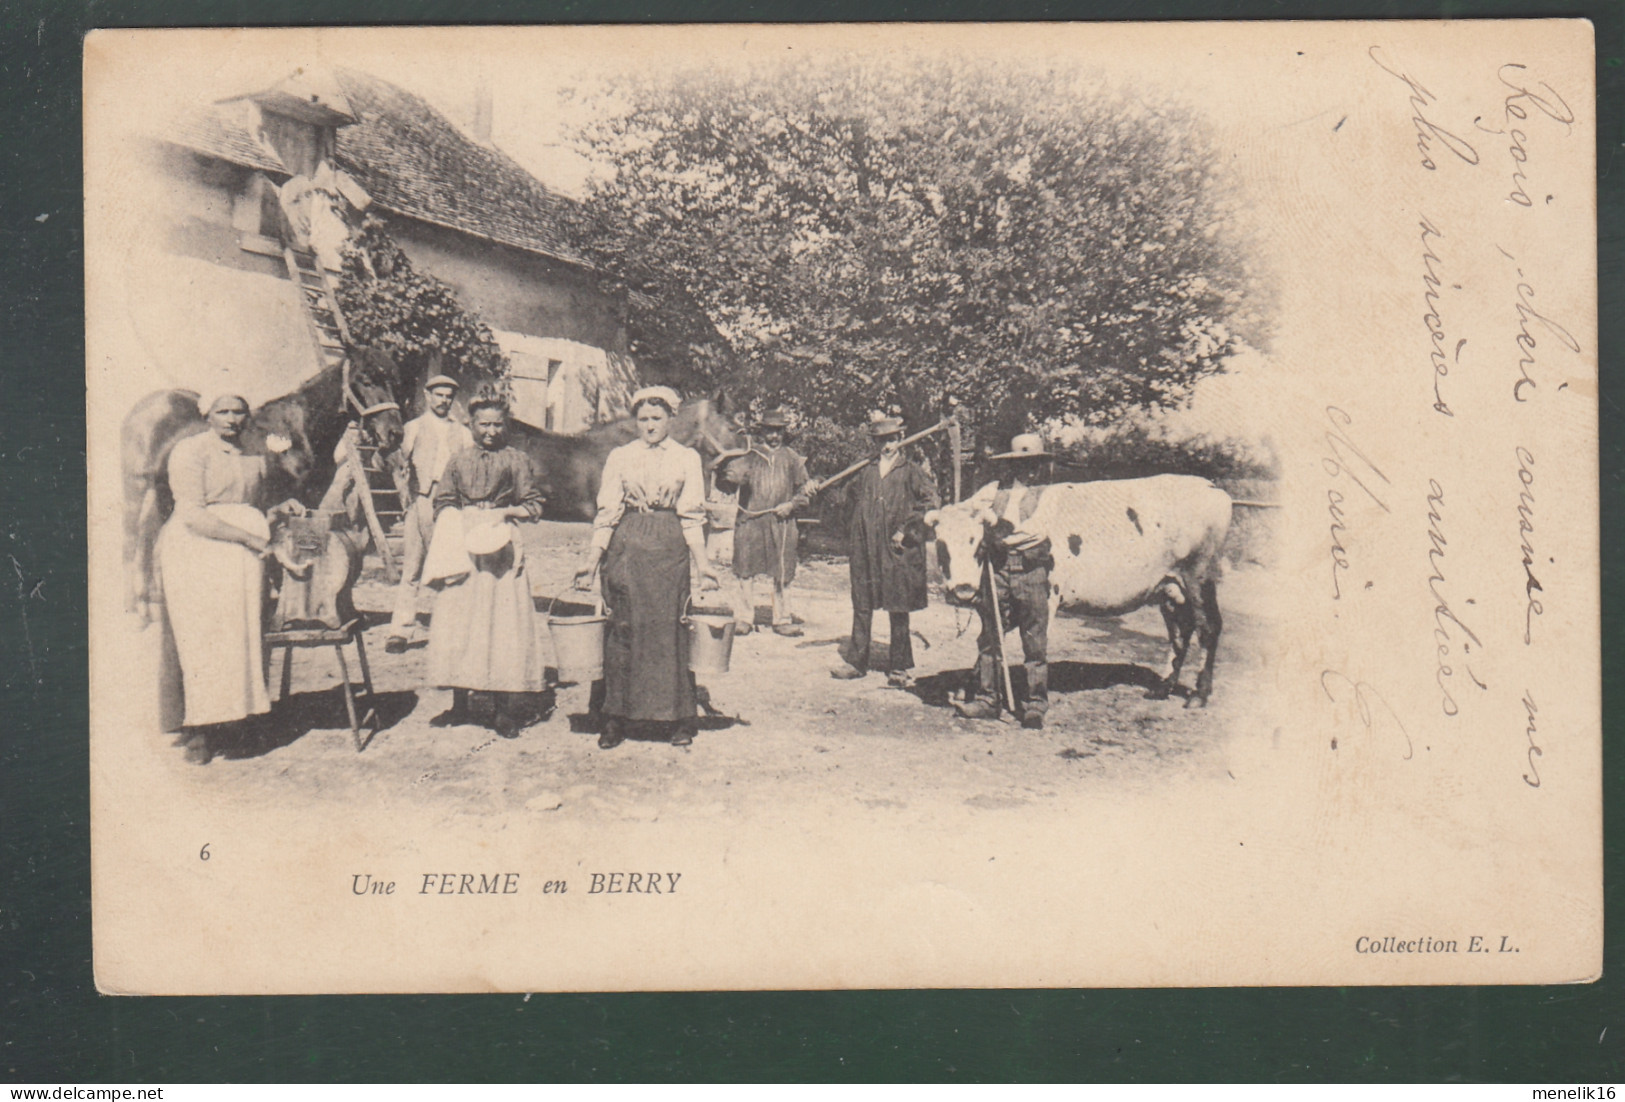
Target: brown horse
x=312, y=419
x=570, y=467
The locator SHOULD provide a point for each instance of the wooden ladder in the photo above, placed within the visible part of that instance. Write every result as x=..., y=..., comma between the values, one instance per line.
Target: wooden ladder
x=331, y=336
x=364, y=469
x=320, y=300
x=388, y=495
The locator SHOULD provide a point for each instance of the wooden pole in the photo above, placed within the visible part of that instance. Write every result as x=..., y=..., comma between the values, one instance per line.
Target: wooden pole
x=998, y=646
x=840, y=476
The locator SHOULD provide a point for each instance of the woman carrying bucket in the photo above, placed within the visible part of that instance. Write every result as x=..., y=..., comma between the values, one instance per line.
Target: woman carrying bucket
x=649, y=536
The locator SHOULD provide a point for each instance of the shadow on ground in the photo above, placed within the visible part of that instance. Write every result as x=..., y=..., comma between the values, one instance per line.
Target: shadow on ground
x=939, y=690
x=296, y=716
x=711, y=718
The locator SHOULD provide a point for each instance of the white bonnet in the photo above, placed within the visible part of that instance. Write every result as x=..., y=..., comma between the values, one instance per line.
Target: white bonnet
x=664, y=393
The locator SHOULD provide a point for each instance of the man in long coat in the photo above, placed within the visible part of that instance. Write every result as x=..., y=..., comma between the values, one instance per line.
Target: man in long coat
x=888, y=540
x=772, y=481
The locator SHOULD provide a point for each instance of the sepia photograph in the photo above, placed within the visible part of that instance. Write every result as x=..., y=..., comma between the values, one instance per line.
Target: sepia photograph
x=644, y=508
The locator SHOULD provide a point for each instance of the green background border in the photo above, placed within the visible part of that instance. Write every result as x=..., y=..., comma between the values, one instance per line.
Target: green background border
x=53, y=1025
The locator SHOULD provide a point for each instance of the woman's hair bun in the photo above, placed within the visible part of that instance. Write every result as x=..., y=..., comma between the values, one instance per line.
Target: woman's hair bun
x=487, y=397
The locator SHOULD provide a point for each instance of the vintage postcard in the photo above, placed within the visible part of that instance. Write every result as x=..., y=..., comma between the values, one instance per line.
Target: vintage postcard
x=641, y=508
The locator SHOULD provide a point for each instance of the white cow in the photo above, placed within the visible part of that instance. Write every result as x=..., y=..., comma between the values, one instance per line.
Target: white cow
x=1118, y=546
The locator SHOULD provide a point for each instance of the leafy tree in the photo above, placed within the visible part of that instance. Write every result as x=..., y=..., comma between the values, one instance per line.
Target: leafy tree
x=413, y=316
x=861, y=236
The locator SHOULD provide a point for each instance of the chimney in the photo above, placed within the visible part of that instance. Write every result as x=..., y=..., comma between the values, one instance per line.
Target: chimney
x=479, y=127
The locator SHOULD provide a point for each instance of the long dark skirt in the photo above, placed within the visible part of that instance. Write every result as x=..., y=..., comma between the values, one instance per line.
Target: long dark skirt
x=646, y=581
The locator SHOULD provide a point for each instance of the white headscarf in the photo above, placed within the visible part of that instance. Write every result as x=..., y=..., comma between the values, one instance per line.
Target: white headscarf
x=275, y=444
x=206, y=400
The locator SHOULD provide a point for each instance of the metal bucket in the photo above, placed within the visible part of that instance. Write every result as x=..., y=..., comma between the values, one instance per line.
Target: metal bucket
x=710, y=639
x=578, y=639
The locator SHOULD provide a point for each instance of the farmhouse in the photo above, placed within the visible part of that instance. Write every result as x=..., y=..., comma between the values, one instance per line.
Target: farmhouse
x=210, y=299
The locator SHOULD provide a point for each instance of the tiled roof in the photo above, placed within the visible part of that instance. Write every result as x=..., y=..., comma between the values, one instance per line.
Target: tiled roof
x=415, y=162
x=222, y=134
x=412, y=161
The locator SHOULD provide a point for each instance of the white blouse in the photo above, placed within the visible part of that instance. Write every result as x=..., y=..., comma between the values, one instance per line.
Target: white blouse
x=207, y=470
x=636, y=475
x=428, y=443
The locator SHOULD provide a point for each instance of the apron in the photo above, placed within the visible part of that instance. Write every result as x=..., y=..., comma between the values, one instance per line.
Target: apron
x=213, y=667
x=646, y=582
x=485, y=632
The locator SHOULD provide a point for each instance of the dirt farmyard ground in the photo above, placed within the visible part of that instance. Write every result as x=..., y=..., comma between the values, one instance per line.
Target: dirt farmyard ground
x=786, y=733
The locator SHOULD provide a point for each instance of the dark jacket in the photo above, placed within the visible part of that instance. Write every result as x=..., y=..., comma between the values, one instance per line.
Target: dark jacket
x=764, y=544
x=882, y=576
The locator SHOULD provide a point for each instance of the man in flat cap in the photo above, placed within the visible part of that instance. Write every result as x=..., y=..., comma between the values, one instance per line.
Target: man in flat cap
x=772, y=482
x=888, y=539
x=1019, y=563
x=428, y=443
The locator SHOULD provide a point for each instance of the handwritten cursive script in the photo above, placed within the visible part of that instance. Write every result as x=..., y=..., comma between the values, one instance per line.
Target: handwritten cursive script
x=1515, y=109
x=1337, y=465
x=1443, y=616
x=1525, y=339
x=1427, y=131
x=1432, y=319
x=1363, y=697
x=1526, y=532
x=1529, y=732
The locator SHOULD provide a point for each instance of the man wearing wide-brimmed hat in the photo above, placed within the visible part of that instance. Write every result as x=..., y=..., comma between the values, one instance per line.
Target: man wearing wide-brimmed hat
x=888, y=538
x=772, y=482
x=1019, y=561
x=428, y=443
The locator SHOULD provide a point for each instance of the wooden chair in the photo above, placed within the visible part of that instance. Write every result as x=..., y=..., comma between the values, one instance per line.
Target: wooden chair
x=335, y=638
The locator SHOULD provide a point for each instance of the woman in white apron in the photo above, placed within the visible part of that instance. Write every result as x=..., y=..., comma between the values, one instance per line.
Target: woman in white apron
x=211, y=557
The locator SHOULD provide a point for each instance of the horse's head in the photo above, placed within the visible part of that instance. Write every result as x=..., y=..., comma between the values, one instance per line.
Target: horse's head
x=372, y=396
x=374, y=400
x=277, y=431
x=704, y=425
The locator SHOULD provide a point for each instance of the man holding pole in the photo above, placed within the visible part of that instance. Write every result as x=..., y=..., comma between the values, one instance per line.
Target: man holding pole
x=888, y=540
x=772, y=482
x=1017, y=578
